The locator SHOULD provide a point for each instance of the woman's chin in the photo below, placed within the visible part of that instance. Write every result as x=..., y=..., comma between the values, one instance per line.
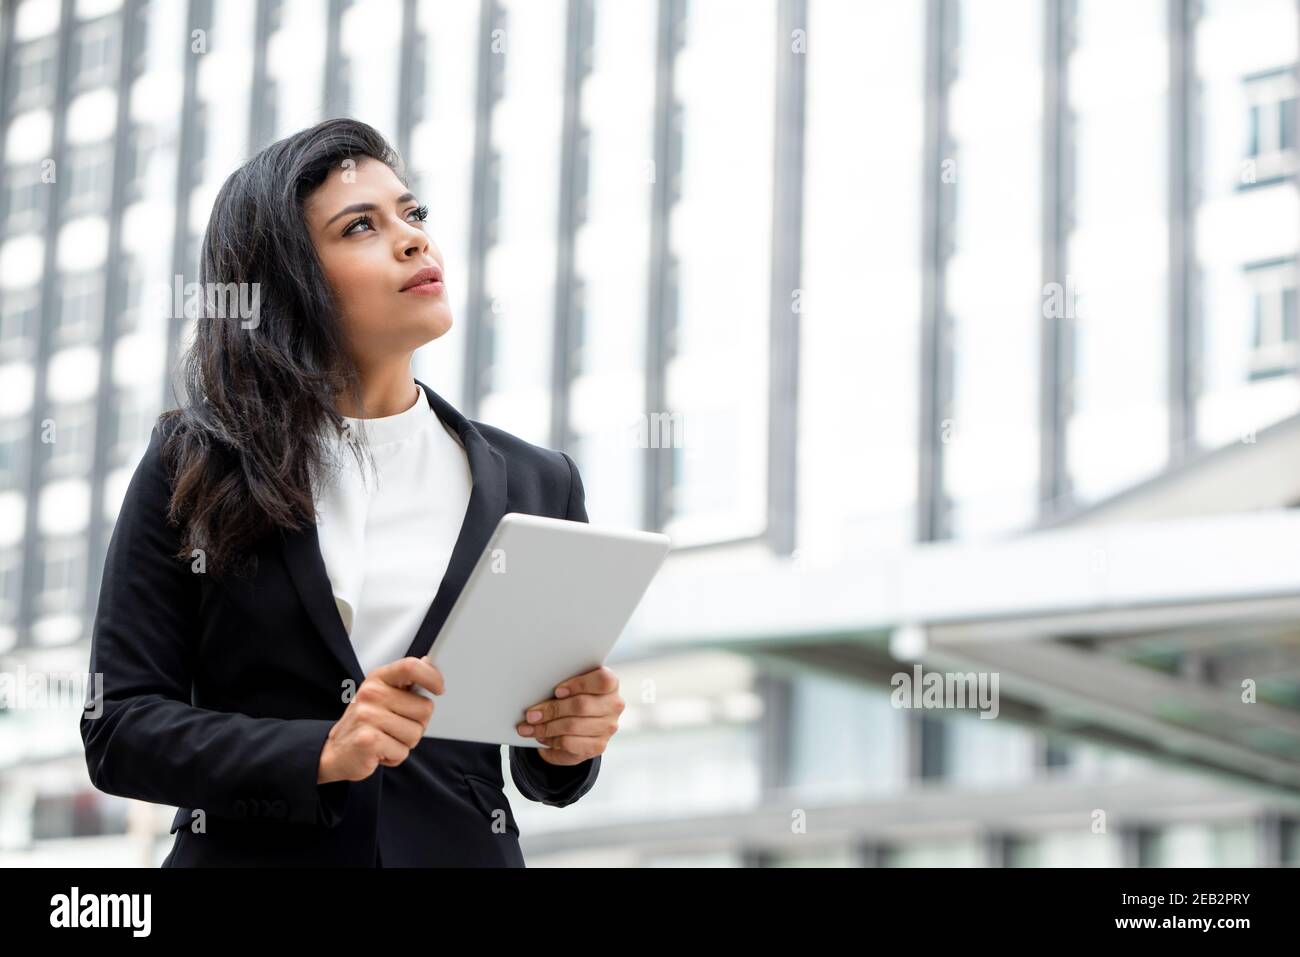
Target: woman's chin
x=435, y=324
x=433, y=321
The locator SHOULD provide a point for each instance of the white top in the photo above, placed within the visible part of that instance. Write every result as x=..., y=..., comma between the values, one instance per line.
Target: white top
x=387, y=538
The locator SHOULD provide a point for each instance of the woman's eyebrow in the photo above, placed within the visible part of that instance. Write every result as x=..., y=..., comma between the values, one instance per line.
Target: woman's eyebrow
x=366, y=207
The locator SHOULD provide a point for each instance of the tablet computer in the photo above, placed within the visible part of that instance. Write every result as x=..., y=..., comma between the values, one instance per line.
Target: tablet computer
x=547, y=600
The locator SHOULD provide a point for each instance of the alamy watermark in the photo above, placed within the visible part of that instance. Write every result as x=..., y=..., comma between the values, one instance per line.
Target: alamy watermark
x=24, y=690
x=212, y=300
x=946, y=690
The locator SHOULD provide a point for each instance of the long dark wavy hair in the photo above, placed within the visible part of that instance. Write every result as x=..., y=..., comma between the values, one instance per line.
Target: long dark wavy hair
x=245, y=448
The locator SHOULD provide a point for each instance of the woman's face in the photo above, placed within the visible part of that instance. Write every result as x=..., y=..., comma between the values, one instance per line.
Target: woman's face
x=371, y=242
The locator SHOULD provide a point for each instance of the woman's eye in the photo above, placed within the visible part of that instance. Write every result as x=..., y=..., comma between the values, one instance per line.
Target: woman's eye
x=355, y=223
x=421, y=213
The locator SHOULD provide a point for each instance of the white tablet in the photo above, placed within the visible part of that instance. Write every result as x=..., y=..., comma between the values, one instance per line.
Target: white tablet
x=547, y=600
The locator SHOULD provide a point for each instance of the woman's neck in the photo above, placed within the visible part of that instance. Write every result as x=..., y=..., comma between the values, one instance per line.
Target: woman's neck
x=383, y=392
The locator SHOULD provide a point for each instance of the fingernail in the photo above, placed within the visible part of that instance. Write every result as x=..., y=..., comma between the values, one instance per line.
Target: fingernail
x=526, y=730
x=561, y=692
x=534, y=716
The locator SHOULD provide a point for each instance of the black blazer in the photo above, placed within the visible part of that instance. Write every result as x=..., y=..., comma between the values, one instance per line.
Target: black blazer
x=218, y=696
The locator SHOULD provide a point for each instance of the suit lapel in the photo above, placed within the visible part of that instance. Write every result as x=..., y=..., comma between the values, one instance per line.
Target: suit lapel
x=302, y=556
x=487, y=503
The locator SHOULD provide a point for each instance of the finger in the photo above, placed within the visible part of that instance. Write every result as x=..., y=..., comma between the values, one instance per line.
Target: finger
x=596, y=727
x=409, y=704
x=559, y=756
x=579, y=684
x=419, y=672
x=597, y=681
x=575, y=745
x=391, y=724
x=588, y=705
x=390, y=751
x=409, y=671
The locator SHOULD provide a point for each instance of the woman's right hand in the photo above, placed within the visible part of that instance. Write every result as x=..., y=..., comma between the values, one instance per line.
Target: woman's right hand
x=382, y=723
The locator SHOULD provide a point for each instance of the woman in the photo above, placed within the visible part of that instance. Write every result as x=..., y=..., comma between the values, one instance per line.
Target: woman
x=312, y=507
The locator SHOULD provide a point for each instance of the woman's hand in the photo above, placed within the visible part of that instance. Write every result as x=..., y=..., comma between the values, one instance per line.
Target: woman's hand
x=579, y=721
x=382, y=723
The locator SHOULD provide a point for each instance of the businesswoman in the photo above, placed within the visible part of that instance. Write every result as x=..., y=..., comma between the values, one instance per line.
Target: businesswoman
x=294, y=537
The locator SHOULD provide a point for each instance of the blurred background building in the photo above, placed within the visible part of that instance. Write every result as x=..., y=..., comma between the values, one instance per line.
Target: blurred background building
x=973, y=328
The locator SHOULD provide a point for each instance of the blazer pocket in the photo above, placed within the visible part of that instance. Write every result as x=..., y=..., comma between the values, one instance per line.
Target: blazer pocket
x=490, y=799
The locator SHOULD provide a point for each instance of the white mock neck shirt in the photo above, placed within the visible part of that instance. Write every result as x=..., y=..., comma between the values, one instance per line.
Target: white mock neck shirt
x=387, y=538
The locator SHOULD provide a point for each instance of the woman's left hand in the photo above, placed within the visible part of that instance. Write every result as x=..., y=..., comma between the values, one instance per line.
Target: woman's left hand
x=579, y=721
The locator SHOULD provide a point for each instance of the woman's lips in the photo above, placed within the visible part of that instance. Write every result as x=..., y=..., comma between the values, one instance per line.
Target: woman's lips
x=434, y=288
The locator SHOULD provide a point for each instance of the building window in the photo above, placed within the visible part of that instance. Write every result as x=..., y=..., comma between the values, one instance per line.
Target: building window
x=419, y=80
x=578, y=329
x=270, y=108
x=195, y=170
x=344, y=103
x=24, y=201
x=672, y=312
x=19, y=316
x=95, y=54
x=132, y=277
x=497, y=60
x=81, y=814
x=492, y=199
x=1290, y=841
x=33, y=76
x=90, y=179
x=581, y=177
x=676, y=152
x=487, y=351
x=672, y=494
x=1275, y=336
x=132, y=423
x=193, y=260
x=934, y=759
x=81, y=299
x=1271, y=137
x=73, y=447
x=63, y=572
x=137, y=162
x=10, y=581
x=13, y=438
x=1056, y=755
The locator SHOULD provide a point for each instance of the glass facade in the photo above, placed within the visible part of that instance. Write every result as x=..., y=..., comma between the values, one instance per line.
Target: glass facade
x=1247, y=226
x=1116, y=247
x=990, y=183
x=859, y=300
x=1039, y=255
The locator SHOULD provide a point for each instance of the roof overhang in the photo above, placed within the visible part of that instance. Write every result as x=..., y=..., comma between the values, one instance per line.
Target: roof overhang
x=1064, y=616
